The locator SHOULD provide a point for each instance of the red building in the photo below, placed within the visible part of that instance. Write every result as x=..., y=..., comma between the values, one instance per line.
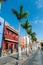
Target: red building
x=10, y=40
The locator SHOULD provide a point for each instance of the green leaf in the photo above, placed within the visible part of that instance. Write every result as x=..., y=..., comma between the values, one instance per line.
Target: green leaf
x=21, y=9
x=16, y=13
x=29, y=31
x=0, y=0
x=33, y=36
x=4, y=0
x=26, y=25
x=24, y=15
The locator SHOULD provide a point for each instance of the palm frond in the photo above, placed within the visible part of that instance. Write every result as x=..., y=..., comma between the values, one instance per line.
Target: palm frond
x=15, y=12
x=29, y=31
x=24, y=15
x=22, y=25
x=4, y=0
x=0, y=0
x=26, y=25
x=33, y=34
x=34, y=39
x=21, y=9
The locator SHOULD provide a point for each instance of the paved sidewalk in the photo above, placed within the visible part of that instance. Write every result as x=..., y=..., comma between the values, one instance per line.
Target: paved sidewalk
x=36, y=59
x=17, y=62
x=12, y=59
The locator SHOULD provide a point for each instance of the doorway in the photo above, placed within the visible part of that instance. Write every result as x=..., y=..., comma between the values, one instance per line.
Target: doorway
x=11, y=48
x=6, y=46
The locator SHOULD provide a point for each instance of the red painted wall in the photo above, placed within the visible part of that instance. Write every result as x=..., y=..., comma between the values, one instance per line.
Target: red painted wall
x=11, y=37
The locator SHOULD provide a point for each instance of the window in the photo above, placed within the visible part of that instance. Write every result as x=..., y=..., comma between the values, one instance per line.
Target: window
x=8, y=32
x=13, y=34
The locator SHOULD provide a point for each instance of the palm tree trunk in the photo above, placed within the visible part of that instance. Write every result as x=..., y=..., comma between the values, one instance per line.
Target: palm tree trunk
x=26, y=44
x=29, y=43
x=19, y=48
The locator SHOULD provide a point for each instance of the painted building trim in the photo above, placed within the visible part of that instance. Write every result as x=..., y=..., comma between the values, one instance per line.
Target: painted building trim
x=10, y=40
x=12, y=29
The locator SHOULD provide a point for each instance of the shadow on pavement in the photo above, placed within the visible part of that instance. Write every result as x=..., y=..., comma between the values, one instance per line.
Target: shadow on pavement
x=13, y=57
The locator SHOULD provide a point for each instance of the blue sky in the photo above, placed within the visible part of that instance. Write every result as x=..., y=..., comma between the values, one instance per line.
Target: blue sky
x=35, y=8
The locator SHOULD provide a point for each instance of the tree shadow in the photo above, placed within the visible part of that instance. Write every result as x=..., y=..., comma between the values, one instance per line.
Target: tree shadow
x=14, y=57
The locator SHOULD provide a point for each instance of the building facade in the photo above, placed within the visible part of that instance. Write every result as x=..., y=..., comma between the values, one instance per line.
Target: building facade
x=10, y=39
x=22, y=44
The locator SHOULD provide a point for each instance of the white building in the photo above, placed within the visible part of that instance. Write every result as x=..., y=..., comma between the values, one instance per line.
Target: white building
x=26, y=42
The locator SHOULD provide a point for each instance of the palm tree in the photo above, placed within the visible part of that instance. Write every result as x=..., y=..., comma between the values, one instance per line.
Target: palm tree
x=34, y=39
x=26, y=25
x=20, y=15
x=33, y=36
x=1, y=3
x=29, y=32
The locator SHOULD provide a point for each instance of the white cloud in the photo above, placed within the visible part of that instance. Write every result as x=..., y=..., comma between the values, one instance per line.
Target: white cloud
x=39, y=3
x=38, y=21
